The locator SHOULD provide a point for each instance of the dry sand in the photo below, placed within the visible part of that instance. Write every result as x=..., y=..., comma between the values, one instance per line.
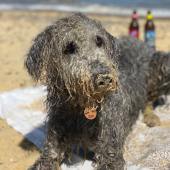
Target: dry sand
x=17, y=29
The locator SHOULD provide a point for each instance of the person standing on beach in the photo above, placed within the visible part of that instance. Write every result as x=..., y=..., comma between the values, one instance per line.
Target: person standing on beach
x=149, y=33
x=134, y=25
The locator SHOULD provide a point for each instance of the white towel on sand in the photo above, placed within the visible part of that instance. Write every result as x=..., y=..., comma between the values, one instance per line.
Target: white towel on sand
x=15, y=109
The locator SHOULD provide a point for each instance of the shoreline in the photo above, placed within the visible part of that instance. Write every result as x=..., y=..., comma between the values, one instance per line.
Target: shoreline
x=85, y=8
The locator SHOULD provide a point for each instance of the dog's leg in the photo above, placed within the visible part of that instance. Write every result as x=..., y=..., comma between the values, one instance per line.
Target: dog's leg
x=110, y=159
x=109, y=152
x=51, y=156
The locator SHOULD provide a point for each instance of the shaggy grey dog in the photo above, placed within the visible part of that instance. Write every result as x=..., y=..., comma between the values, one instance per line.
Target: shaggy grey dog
x=96, y=86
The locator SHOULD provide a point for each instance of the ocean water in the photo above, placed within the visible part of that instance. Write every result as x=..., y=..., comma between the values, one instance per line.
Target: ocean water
x=161, y=8
x=164, y=4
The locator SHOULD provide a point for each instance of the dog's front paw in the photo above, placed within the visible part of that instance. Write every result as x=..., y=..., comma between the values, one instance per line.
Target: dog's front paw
x=150, y=118
x=45, y=165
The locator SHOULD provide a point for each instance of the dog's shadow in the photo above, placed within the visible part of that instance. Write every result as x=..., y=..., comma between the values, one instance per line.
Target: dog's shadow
x=34, y=140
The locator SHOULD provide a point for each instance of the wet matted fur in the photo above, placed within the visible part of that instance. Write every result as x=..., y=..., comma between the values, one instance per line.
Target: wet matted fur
x=83, y=66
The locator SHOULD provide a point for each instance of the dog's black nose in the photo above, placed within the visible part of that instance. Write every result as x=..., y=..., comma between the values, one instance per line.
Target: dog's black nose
x=104, y=81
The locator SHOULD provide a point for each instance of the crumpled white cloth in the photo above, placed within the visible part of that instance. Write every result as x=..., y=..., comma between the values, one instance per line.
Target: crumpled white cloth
x=25, y=121
x=31, y=123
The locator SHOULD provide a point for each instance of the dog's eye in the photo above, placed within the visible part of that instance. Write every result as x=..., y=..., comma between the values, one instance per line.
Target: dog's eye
x=99, y=41
x=70, y=48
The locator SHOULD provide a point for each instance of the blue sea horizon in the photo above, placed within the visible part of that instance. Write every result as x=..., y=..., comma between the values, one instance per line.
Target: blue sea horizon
x=161, y=8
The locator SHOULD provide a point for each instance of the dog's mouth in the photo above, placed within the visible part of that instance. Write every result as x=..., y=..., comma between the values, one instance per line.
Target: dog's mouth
x=104, y=84
x=91, y=92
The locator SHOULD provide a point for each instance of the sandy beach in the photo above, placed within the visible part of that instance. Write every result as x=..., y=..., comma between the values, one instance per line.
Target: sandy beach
x=18, y=28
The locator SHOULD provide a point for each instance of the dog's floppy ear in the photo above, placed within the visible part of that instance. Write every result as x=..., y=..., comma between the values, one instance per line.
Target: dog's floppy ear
x=39, y=54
